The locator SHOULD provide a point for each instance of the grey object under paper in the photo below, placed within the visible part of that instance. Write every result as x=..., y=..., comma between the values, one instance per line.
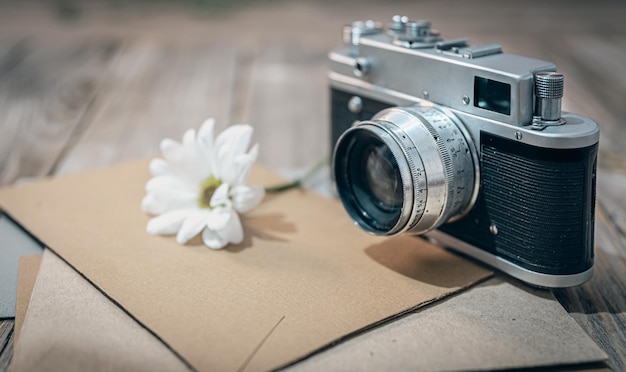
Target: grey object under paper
x=14, y=243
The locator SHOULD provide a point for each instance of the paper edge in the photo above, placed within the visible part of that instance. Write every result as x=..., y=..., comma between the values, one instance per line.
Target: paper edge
x=28, y=269
x=185, y=362
x=388, y=320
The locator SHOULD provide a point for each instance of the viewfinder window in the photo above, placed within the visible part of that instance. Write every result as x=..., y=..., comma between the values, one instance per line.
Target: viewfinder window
x=492, y=95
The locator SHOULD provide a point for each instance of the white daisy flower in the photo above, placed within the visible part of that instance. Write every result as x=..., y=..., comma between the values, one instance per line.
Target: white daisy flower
x=200, y=186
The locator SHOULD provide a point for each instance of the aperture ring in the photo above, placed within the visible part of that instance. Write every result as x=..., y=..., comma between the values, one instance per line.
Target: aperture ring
x=448, y=158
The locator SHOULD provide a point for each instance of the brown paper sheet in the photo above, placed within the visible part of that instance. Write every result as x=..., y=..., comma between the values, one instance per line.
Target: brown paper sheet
x=303, y=277
x=71, y=326
x=494, y=325
x=28, y=268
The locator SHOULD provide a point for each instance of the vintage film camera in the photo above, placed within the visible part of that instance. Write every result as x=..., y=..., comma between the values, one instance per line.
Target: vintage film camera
x=465, y=144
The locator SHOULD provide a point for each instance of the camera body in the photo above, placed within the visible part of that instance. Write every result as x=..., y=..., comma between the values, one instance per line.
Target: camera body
x=466, y=145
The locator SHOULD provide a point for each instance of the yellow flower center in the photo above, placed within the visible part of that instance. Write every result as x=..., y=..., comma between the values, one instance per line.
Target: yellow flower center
x=208, y=188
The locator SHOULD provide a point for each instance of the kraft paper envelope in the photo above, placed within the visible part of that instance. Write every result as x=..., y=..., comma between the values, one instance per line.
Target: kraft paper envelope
x=71, y=326
x=28, y=268
x=303, y=277
x=493, y=325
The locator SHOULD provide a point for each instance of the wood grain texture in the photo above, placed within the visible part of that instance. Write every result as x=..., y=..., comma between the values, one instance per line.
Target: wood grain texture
x=152, y=91
x=43, y=96
x=599, y=305
x=106, y=84
x=6, y=343
x=288, y=104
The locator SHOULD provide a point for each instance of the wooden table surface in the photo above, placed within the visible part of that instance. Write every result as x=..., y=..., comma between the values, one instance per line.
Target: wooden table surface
x=90, y=84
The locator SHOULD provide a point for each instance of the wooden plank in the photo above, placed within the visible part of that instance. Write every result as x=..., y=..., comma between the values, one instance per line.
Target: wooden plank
x=6, y=343
x=284, y=95
x=599, y=306
x=288, y=104
x=12, y=53
x=611, y=209
x=42, y=100
x=600, y=72
x=152, y=91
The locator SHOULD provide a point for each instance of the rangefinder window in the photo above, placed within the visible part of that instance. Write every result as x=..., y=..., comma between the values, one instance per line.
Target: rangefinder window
x=492, y=95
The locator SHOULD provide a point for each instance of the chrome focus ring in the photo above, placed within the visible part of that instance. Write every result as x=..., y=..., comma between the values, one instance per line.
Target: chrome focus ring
x=460, y=160
x=427, y=150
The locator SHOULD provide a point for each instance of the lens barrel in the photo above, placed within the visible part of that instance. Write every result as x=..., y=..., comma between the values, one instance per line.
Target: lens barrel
x=408, y=169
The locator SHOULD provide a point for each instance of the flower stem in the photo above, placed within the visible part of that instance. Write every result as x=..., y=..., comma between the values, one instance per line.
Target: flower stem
x=300, y=181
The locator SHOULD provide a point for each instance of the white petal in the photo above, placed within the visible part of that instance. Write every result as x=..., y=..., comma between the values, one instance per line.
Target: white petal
x=206, y=129
x=236, y=137
x=232, y=232
x=183, y=158
x=212, y=239
x=218, y=219
x=205, y=147
x=164, y=185
x=194, y=167
x=189, y=137
x=243, y=164
x=245, y=198
x=168, y=223
x=193, y=224
x=149, y=204
x=205, y=134
x=171, y=150
x=158, y=204
x=220, y=197
x=231, y=143
x=254, y=152
x=159, y=167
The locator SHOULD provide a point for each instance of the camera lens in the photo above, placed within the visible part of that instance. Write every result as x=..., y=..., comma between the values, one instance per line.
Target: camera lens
x=382, y=177
x=371, y=183
x=406, y=170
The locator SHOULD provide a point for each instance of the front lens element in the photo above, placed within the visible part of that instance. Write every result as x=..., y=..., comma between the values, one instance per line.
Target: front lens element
x=371, y=185
x=382, y=177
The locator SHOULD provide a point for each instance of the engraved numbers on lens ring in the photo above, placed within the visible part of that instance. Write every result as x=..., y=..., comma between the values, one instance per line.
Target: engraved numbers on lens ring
x=453, y=146
x=443, y=122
